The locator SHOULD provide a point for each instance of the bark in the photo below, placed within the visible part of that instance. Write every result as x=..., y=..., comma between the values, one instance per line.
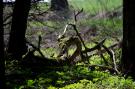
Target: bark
x=2, y=72
x=128, y=46
x=59, y=4
x=17, y=45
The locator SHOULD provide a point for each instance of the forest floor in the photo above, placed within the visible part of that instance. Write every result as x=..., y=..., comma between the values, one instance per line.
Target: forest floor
x=96, y=27
x=36, y=72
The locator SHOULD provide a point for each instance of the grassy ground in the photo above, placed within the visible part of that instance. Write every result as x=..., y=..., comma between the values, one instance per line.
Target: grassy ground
x=91, y=9
x=95, y=5
x=78, y=76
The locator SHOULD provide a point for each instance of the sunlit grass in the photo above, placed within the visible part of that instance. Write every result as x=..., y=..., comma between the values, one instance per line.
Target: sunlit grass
x=94, y=6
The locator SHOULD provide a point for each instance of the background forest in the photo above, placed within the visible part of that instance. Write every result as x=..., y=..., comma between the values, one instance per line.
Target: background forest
x=65, y=44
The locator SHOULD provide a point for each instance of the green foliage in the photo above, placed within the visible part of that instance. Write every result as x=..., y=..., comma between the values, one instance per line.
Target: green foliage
x=30, y=82
x=115, y=82
x=111, y=82
x=83, y=84
x=76, y=77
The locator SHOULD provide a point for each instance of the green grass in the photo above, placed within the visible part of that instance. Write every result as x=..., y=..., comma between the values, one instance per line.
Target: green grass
x=94, y=6
x=108, y=27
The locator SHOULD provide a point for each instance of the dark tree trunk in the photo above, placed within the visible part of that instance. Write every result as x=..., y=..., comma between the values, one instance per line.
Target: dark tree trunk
x=17, y=45
x=128, y=50
x=2, y=73
x=59, y=4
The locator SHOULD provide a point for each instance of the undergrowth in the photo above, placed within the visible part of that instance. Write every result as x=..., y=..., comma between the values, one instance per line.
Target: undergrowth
x=78, y=77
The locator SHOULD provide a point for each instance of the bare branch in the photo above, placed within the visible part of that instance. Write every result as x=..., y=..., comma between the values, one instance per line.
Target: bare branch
x=76, y=14
x=114, y=61
x=36, y=48
x=95, y=47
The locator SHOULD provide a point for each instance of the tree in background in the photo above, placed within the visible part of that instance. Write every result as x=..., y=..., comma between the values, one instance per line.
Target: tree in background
x=17, y=45
x=59, y=4
x=128, y=50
